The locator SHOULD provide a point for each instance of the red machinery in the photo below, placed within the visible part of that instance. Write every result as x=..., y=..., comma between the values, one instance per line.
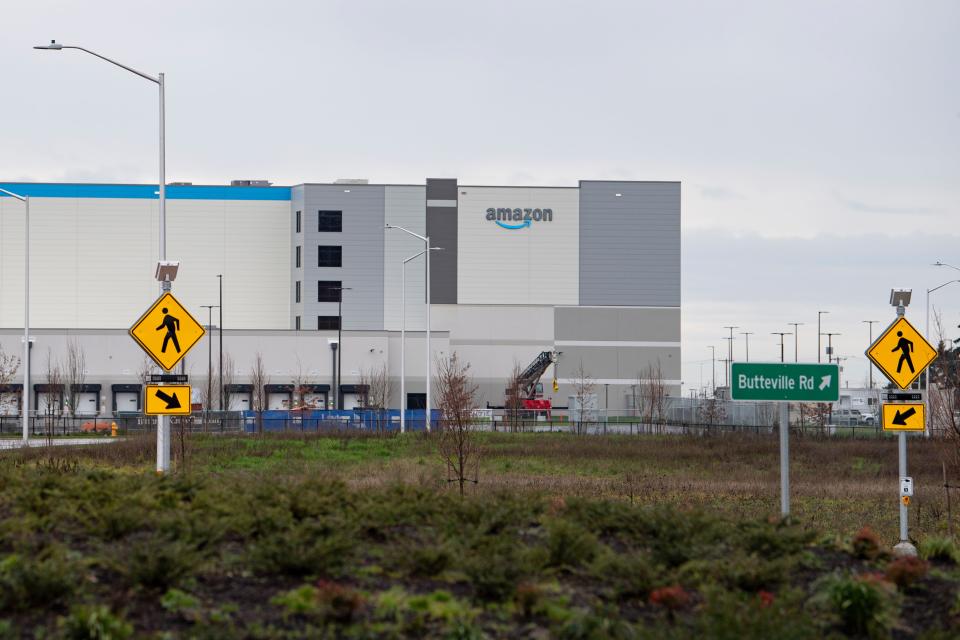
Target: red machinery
x=529, y=386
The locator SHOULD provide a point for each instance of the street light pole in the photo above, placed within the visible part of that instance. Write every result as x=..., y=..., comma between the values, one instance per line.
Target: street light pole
x=25, y=393
x=337, y=395
x=870, y=324
x=209, y=308
x=796, y=340
x=713, y=373
x=830, y=344
x=163, y=422
x=746, y=337
x=819, y=313
x=223, y=402
x=426, y=242
x=781, y=334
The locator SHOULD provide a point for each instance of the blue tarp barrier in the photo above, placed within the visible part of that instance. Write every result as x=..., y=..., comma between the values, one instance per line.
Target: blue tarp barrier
x=319, y=420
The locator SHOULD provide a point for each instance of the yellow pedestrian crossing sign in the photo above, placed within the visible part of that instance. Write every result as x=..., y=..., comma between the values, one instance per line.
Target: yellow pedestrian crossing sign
x=901, y=353
x=167, y=331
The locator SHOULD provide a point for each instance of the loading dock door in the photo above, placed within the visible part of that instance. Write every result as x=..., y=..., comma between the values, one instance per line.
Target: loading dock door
x=127, y=401
x=278, y=400
x=9, y=403
x=87, y=403
x=239, y=401
x=315, y=400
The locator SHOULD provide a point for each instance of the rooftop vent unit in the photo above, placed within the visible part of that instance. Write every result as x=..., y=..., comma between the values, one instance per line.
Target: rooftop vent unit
x=250, y=183
x=351, y=181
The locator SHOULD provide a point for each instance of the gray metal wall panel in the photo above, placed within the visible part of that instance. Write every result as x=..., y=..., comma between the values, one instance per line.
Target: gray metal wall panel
x=630, y=245
x=613, y=323
x=625, y=363
x=363, y=251
x=442, y=230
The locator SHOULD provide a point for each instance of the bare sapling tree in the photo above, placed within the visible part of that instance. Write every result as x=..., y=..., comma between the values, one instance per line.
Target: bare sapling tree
x=653, y=391
x=944, y=402
x=74, y=375
x=585, y=399
x=300, y=381
x=227, y=379
x=9, y=365
x=639, y=398
x=456, y=441
x=712, y=411
x=258, y=396
x=376, y=382
x=513, y=398
x=53, y=396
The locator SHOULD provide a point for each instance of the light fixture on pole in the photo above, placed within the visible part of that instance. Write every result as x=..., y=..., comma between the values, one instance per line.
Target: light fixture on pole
x=781, y=334
x=819, y=314
x=403, y=337
x=25, y=393
x=870, y=324
x=426, y=242
x=746, y=337
x=163, y=422
x=830, y=344
x=796, y=340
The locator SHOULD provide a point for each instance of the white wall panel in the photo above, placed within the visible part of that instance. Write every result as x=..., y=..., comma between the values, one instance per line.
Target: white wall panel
x=404, y=207
x=92, y=260
x=535, y=265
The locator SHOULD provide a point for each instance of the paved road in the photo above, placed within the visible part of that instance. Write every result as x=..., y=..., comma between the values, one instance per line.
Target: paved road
x=11, y=443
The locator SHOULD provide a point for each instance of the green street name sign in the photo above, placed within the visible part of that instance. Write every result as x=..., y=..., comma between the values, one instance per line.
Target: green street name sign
x=778, y=381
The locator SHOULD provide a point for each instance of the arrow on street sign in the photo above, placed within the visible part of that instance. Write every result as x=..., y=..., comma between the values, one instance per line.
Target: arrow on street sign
x=168, y=400
x=903, y=417
x=825, y=382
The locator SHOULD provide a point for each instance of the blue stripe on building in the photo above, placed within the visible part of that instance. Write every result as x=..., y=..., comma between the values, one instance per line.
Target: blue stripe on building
x=145, y=191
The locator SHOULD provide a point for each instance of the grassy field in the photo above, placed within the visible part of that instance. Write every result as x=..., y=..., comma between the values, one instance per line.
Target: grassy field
x=615, y=537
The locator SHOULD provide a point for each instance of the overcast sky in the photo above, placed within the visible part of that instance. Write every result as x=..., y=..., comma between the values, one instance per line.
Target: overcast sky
x=818, y=143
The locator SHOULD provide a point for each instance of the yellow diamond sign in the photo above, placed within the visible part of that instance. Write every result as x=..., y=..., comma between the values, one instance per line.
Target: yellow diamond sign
x=167, y=331
x=901, y=353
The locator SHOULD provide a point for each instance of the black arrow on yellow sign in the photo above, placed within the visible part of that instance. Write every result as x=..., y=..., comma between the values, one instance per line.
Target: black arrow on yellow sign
x=901, y=418
x=173, y=402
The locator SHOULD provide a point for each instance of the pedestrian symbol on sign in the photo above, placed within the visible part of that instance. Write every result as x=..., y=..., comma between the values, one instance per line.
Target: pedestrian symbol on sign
x=905, y=347
x=172, y=325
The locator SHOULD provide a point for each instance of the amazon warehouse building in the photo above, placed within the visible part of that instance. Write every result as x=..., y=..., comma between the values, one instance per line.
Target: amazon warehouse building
x=590, y=271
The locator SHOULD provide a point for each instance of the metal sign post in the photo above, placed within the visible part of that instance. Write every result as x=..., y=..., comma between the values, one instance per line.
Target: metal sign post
x=783, y=383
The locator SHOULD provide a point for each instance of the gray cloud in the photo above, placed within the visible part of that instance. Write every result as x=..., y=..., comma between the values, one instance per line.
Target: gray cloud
x=864, y=207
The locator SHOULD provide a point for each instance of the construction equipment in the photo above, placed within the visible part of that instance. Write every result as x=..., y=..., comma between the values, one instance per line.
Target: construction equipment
x=528, y=387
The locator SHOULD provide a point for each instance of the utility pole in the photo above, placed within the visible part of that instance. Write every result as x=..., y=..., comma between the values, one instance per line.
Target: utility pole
x=713, y=374
x=781, y=334
x=830, y=345
x=796, y=340
x=870, y=323
x=746, y=338
x=819, y=313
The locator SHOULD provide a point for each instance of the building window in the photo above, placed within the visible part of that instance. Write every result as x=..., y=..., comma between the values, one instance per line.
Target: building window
x=296, y=321
x=298, y=222
x=330, y=221
x=297, y=293
x=297, y=265
x=328, y=323
x=328, y=290
x=329, y=256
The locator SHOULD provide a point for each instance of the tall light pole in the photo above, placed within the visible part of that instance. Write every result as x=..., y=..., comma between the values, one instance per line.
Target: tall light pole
x=830, y=344
x=746, y=337
x=426, y=243
x=796, y=340
x=870, y=324
x=781, y=334
x=223, y=400
x=209, y=308
x=25, y=393
x=403, y=337
x=163, y=422
x=338, y=402
x=819, y=313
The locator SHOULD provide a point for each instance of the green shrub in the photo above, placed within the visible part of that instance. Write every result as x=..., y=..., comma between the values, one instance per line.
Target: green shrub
x=156, y=562
x=773, y=539
x=304, y=549
x=181, y=603
x=327, y=601
x=41, y=579
x=737, y=571
x=630, y=575
x=569, y=545
x=420, y=559
x=95, y=622
x=939, y=549
x=732, y=614
x=906, y=570
x=862, y=605
x=495, y=566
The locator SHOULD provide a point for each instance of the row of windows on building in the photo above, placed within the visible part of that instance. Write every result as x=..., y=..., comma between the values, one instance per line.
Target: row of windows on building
x=324, y=323
x=327, y=221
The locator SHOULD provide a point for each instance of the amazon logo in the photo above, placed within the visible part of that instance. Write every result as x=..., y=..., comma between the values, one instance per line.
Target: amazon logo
x=518, y=218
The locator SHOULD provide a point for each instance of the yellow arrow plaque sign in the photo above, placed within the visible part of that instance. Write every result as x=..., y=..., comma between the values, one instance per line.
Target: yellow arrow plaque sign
x=904, y=417
x=167, y=331
x=167, y=400
x=901, y=353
